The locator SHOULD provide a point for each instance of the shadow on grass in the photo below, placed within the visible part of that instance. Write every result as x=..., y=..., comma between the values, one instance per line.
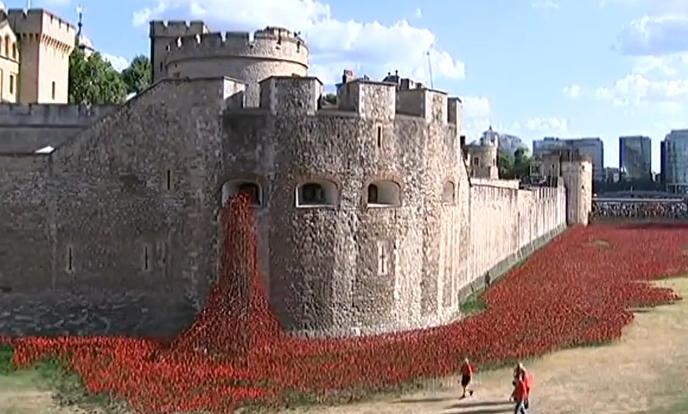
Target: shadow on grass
x=484, y=404
x=55, y=375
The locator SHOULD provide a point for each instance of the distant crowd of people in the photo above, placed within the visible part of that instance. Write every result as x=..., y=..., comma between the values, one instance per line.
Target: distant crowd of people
x=675, y=210
x=522, y=383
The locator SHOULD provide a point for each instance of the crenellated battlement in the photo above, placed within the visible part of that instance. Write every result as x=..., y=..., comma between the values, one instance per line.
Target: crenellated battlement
x=367, y=99
x=269, y=44
x=39, y=21
x=176, y=28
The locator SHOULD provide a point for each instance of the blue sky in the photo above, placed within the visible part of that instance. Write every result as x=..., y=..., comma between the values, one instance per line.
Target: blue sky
x=533, y=68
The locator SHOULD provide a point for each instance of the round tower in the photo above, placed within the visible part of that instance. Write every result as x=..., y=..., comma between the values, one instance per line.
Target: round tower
x=273, y=51
x=163, y=36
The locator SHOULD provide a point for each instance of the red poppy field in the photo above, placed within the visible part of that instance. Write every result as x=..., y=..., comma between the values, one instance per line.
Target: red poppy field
x=577, y=290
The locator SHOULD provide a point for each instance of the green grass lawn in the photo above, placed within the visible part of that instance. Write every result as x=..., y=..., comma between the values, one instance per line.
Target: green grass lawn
x=51, y=376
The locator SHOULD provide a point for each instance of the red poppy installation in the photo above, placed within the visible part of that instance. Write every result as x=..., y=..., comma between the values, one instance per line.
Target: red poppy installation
x=576, y=290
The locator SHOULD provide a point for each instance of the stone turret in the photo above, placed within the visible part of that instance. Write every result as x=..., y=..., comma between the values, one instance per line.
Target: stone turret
x=181, y=50
x=575, y=169
x=482, y=157
x=45, y=43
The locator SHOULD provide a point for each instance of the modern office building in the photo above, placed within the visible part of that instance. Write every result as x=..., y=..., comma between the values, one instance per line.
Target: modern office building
x=635, y=157
x=676, y=161
x=592, y=147
x=662, y=163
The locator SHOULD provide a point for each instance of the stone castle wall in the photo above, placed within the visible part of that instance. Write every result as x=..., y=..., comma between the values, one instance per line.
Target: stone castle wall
x=120, y=224
x=27, y=128
x=506, y=221
x=114, y=233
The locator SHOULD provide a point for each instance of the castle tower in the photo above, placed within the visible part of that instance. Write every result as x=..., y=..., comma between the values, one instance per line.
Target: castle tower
x=163, y=36
x=273, y=51
x=9, y=60
x=45, y=42
x=576, y=171
x=482, y=157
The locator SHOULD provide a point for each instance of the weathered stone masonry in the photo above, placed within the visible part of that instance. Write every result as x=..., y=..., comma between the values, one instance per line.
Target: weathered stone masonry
x=100, y=224
x=28, y=128
x=117, y=230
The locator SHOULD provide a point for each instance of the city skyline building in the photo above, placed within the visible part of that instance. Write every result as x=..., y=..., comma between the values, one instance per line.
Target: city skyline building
x=675, y=161
x=593, y=147
x=635, y=157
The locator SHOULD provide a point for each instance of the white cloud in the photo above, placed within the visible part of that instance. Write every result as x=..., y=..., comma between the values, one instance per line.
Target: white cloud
x=545, y=4
x=660, y=81
x=547, y=125
x=334, y=44
x=56, y=2
x=669, y=66
x=476, y=116
x=118, y=62
x=637, y=90
x=654, y=35
x=418, y=13
x=476, y=106
x=573, y=91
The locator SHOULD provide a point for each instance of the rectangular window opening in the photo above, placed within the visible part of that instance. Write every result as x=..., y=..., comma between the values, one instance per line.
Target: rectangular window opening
x=70, y=259
x=168, y=178
x=382, y=259
x=146, y=259
x=11, y=83
x=379, y=137
x=54, y=90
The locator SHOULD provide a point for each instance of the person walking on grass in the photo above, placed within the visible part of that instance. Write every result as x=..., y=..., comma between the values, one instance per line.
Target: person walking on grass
x=520, y=394
x=467, y=371
x=519, y=371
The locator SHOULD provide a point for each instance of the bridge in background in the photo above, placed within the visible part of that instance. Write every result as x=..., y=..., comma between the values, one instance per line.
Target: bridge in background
x=639, y=205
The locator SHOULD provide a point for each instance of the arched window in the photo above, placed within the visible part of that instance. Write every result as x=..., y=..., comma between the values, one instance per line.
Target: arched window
x=384, y=194
x=14, y=51
x=233, y=188
x=7, y=45
x=316, y=194
x=448, y=193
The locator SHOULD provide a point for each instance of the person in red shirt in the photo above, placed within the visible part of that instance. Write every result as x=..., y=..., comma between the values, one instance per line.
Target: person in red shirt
x=520, y=394
x=467, y=371
x=528, y=378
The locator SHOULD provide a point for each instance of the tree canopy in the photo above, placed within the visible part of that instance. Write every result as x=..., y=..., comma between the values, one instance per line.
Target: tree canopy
x=512, y=166
x=93, y=80
x=137, y=76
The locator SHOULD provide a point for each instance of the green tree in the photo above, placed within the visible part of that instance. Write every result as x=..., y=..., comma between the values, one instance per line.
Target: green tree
x=505, y=165
x=137, y=76
x=331, y=98
x=512, y=166
x=93, y=80
x=521, y=163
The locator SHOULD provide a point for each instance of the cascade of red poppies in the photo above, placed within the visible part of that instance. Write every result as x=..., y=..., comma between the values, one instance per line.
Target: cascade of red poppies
x=576, y=290
x=236, y=320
